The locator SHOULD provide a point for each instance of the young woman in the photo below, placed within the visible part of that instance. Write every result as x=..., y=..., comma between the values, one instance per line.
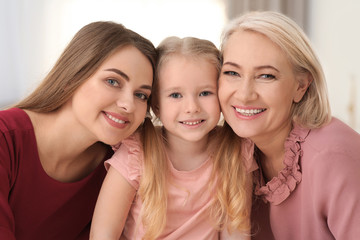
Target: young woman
x=272, y=91
x=54, y=142
x=166, y=186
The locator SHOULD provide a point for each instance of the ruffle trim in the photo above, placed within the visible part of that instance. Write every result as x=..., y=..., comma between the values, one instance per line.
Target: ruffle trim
x=280, y=187
x=128, y=159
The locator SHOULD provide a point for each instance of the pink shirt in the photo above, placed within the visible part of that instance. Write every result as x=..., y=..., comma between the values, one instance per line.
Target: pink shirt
x=317, y=195
x=188, y=196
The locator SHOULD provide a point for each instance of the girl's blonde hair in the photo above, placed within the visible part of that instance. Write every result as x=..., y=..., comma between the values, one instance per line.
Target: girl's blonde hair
x=232, y=202
x=153, y=184
x=88, y=49
x=313, y=110
x=188, y=47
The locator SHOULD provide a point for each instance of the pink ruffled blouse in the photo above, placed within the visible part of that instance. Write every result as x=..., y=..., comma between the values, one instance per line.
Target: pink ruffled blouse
x=317, y=194
x=279, y=188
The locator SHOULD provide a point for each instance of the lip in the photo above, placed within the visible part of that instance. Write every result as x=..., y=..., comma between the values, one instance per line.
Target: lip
x=248, y=112
x=116, y=120
x=192, y=123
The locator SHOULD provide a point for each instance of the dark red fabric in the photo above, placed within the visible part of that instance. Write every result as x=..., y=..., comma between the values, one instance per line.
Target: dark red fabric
x=32, y=204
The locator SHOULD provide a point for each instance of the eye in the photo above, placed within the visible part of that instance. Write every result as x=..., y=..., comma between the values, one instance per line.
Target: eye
x=267, y=76
x=231, y=73
x=175, y=95
x=112, y=82
x=142, y=96
x=205, y=93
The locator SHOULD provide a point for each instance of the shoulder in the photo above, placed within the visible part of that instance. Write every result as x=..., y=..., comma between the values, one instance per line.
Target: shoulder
x=16, y=130
x=13, y=119
x=331, y=155
x=331, y=171
x=131, y=145
x=17, y=139
x=336, y=131
x=336, y=137
x=128, y=159
x=128, y=153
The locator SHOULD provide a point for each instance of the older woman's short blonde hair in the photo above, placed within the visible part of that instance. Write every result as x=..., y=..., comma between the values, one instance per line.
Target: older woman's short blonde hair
x=313, y=110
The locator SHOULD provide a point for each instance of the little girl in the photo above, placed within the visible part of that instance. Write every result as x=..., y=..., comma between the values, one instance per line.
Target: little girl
x=171, y=184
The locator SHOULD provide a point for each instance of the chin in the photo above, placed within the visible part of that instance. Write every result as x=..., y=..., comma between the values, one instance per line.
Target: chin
x=111, y=141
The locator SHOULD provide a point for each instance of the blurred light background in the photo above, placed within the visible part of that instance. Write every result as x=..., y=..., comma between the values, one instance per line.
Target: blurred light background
x=33, y=34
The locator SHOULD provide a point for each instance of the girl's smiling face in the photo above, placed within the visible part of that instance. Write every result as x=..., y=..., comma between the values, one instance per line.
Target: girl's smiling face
x=188, y=104
x=257, y=87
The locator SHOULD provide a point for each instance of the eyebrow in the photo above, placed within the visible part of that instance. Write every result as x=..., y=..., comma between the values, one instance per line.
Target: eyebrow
x=257, y=68
x=179, y=89
x=119, y=72
x=126, y=77
x=172, y=89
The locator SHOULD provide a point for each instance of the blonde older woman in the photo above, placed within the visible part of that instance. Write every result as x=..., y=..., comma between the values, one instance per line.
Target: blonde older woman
x=272, y=91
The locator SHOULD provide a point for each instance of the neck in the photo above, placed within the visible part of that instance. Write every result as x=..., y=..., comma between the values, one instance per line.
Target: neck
x=186, y=155
x=272, y=152
x=65, y=151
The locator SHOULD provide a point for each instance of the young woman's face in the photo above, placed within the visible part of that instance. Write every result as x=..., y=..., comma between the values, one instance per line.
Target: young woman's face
x=112, y=103
x=188, y=103
x=257, y=87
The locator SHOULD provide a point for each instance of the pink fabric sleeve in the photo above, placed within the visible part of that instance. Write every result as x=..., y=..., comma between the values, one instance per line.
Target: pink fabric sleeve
x=336, y=190
x=128, y=159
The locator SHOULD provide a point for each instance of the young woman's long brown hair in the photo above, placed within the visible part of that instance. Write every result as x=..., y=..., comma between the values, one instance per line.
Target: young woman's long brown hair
x=88, y=49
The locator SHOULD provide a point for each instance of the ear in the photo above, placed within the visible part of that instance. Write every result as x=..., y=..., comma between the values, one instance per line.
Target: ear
x=304, y=80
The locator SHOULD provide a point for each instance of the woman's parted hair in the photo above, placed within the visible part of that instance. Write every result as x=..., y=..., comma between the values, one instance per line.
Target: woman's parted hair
x=313, y=110
x=88, y=49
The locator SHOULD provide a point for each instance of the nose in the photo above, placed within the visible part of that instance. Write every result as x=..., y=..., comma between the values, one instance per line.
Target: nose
x=126, y=102
x=246, y=91
x=192, y=105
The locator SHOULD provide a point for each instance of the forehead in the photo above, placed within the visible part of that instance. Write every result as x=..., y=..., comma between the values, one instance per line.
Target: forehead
x=131, y=61
x=253, y=47
x=183, y=69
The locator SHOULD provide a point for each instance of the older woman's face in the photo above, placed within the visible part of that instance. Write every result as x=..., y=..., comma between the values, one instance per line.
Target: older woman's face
x=257, y=87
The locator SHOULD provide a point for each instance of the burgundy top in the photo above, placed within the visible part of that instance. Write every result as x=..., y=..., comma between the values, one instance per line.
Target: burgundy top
x=32, y=204
x=317, y=194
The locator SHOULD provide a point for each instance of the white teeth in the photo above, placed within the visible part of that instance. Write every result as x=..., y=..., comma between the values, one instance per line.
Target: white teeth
x=114, y=118
x=192, y=123
x=249, y=112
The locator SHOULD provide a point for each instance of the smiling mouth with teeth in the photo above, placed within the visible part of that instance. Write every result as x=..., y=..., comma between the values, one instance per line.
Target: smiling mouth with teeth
x=114, y=119
x=249, y=112
x=192, y=123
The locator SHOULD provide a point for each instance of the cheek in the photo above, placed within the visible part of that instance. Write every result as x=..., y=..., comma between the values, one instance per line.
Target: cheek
x=166, y=106
x=215, y=106
x=226, y=87
x=223, y=96
x=280, y=102
x=141, y=111
x=222, y=91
